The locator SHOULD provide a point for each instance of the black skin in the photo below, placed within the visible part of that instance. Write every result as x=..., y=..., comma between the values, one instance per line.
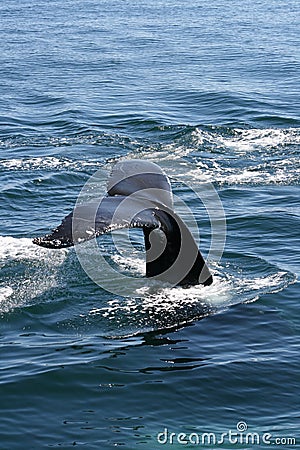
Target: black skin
x=177, y=258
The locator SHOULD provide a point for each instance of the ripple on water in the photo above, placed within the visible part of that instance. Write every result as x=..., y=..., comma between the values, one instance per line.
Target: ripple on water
x=30, y=273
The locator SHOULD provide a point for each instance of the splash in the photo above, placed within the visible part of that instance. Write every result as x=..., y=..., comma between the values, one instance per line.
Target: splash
x=26, y=271
x=157, y=306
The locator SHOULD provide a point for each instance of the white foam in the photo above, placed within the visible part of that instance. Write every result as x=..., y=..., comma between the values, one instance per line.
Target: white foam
x=254, y=156
x=5, y=293
x=285, y=171
x=155, y=302
x=38, y=273
x=156, y=306
x=135, y=265
x=46, y=163
x=244, y=141
x=270, y=283
x=23, y=248
x=266, y=160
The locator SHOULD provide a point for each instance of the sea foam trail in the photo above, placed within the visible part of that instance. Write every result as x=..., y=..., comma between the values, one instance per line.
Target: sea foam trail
x=232, y=156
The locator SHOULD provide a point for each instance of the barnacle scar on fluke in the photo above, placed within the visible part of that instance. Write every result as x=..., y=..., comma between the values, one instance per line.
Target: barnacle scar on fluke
x=139, y=195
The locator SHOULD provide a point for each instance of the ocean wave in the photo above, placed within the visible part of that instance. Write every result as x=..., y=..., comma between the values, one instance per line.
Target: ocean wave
x=232, y=156
x=47, y=163
x=221, y=155
x=247, y=140
x=157, y=307
x=79, y=137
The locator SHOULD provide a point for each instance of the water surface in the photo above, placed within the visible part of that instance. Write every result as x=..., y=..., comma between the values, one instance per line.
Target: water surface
x=210, y=92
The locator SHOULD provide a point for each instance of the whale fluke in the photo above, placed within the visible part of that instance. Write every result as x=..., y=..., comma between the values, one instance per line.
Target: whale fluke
x=139, y=195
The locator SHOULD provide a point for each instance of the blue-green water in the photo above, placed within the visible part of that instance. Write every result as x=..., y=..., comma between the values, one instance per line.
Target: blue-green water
x=210, y=92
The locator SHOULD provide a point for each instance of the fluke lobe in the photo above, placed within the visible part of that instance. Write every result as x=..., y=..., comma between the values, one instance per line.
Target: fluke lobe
x=139, y=195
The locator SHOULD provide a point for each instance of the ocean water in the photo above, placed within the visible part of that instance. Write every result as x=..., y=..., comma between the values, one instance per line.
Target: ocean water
x=210, y=92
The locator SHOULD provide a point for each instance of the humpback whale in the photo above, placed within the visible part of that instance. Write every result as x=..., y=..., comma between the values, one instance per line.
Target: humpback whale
x=139, y=195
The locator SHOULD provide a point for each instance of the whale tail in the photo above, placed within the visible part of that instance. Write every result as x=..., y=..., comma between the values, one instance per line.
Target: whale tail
x=139, y=195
